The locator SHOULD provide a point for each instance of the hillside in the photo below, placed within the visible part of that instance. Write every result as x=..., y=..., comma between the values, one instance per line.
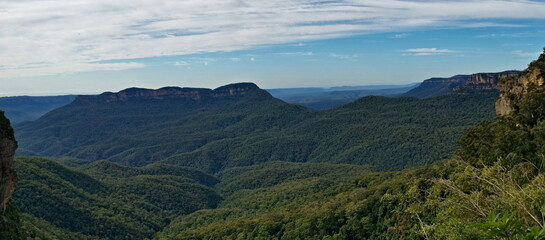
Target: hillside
x=439, y=86
x=105, y=200
x=26, y=108
x=241, y=125
x=491, y=189
x=109, y=201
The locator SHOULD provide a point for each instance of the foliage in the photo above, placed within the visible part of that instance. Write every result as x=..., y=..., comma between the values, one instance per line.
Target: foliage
x=506, y=226
x=10, y=223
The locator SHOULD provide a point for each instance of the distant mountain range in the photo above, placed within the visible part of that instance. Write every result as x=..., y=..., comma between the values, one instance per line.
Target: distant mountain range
x=26, y=108
x=326, y=98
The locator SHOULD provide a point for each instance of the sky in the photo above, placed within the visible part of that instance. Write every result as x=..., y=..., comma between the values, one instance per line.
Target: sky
x=54, y=47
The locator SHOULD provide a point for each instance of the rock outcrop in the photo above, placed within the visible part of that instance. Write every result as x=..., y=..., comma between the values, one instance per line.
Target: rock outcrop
x=7, y=151
x=232, y=90
x=514, y=89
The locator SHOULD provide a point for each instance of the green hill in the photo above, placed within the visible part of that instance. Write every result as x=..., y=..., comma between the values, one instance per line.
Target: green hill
x=109, y=201
x=211, y=131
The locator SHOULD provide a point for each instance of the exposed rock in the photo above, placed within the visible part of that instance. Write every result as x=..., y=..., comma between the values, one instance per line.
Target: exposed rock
x=513, y=89
x=7, y=151
x=486, y=81
x=238, y=89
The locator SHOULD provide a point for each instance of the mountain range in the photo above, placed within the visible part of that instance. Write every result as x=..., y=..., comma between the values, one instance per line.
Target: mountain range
x=241, y=125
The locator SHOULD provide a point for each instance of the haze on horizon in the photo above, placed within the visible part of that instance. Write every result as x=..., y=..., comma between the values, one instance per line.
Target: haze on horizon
x=57, y=47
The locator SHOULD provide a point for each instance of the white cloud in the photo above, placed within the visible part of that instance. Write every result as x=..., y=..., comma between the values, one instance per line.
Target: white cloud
x=57, y=36
x=343, y=56
x=296, y=54
x=182, y=63
x=526, y=54
x=400, y=35
x=426, y=51
x=66, y=68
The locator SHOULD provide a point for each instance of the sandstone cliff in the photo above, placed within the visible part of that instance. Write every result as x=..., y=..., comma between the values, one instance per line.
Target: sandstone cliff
x=514, y=89
x=486, y=81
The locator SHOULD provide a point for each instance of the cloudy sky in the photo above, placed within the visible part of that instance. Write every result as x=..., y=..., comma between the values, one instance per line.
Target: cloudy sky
x=88, y=46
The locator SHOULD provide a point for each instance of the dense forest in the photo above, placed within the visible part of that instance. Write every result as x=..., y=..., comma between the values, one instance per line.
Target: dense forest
x=490, y=187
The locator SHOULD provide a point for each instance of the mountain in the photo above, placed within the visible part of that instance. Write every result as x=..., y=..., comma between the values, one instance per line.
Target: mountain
x=26, y=108
x=242, y=125
x=326, y=98
x=439, y=86
x=138, y=127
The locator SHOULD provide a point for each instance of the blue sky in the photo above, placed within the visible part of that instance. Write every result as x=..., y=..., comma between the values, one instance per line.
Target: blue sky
x=50, y=47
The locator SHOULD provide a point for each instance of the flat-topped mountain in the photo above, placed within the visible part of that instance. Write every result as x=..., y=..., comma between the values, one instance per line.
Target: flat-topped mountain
x=439, y=86
x=232, y=90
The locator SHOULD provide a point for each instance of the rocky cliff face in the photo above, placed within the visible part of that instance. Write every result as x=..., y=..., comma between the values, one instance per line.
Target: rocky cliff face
x=513, y=89
x=486, y=81
x=232, y=90
x=7, y=151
